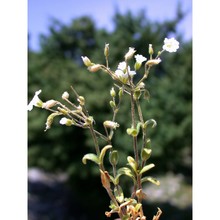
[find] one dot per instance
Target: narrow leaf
(119, 194)
(92, 157)
(132, 163)
(150, 179)
(103, 152)
(146, 168)
(124, 171)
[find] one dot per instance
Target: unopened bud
(50, 120)
(137, 94)
(112, 92)
(130, 53)
(112, 104)
(49, 104)
(150, 50)
(111, 124)
(113, 157)
(94, 68)
(145, 154)
(63, 111)
(86, 61)
(89, 121)
(66, 121)
(65, 95)
(120, 93)
(81, 100)
(106, 50)
(153, 62)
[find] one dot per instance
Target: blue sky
(102, 11)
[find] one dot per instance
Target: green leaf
(132, 163)
(103, 152)
(124, 171)
(145, 154)
(150, 179)
(146, 168)
(92, 157)
(119, 194)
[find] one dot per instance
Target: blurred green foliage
(58, 65)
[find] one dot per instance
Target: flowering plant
(76, 114)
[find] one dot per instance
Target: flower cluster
(73, 114)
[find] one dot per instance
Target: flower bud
(94, 68)
(112, 104)
(50, 120)
(81, 100)
(49, 104)
(113, 157)
(106, 50)
(150, 50)
(62, 110)
(66, 121)
(137, 94)
(86, 61)
(153, 62)
(120, 93)
(112, 92)
(89, 121)
(111, 124)
(65, 95)
(145, 154)
(130, 53)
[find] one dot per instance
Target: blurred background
(60, 187)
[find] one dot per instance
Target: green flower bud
(50, 120)
(145, 154)
(86, 61)
(137, 94)
(106, 50)
(112, 92)
(81, 100)
(150, 50)
(113, 157)
(120, 93)
(66, 121)
(112, 104)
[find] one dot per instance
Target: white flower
(170, 45)
(130, 53)
(140, 59)
(35, 101)
(122, 74)
(122, 66)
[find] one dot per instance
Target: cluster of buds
(74, 115)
